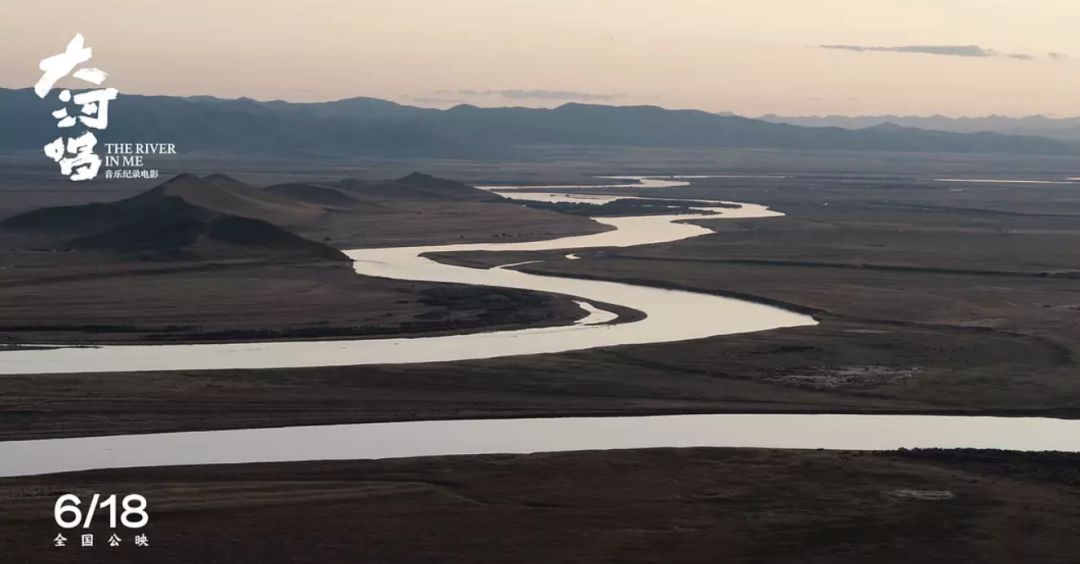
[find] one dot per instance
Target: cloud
(941, 50)
(1058, 56)
(554, 95)
(436, 101)
(535, 94)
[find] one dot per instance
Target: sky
(750, 57)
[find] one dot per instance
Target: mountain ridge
(379, 128)
(1067, 129)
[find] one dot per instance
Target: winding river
(669, 316)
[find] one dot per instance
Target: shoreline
(1060, 414)
(729, 316)
(648, 505)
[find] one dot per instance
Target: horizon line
(761, 116)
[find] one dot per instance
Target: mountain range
(378, 128)
(1067, 129)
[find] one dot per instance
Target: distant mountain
(1057, 128)
(369, 127)
(185, 218)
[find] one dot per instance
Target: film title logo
(82, 114)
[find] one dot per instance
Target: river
(435, 438)
(670, 316)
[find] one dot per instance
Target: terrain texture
(202, 259)
(647, 506)
(933, 298)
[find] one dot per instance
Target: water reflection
(670, 315)
(431, 438)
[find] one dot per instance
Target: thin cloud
(435, 101)
(514, 94)
(940, 50)
(555, 95)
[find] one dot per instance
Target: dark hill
(357, 195)
(417, 187)
(185, 218)
(228, 196)
(448, 188)
(317, 195)
(215, 237)
(64, 219)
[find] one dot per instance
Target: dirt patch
(847, 376)
(922, 495)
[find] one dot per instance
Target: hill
(377, 128)
(185, 218)
(177, 218)
(213, 259)
(417, 187)
(316, 194)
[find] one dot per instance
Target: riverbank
(212, 260)
(662, 505)
(129, 302)
(667, 316)
(952, 311)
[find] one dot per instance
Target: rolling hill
(216, 216)
(417, 187)
(185, 218)
(316, 194)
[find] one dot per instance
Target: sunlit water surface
(670, 315)
(433, 438)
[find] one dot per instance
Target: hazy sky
(953, 57)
